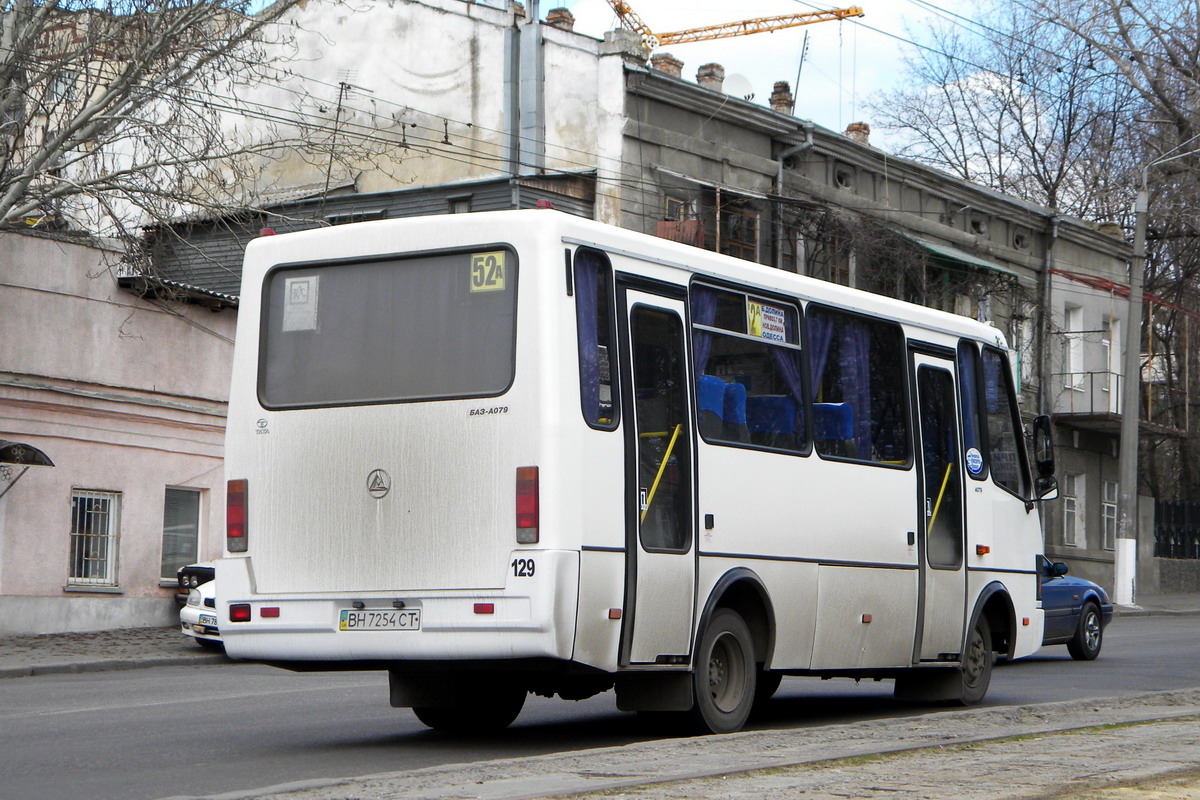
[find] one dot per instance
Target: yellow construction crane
(633, 22)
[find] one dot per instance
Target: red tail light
(235, 516)
(527, 505)
(239, 612)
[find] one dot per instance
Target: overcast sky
(846, 62)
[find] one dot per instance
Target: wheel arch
(742, 590)
(995, 604)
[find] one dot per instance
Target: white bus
(514, 452)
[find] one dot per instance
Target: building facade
(126, 396)
(604, 133)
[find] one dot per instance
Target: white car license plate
(383, 619)
(208, 619)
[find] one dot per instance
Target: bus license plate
(384, 619)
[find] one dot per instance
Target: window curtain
(704, 312)
(856, 381)
(788, 362)
(587, 316)
(853, 380)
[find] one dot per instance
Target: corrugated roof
(162, 288)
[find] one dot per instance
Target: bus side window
(594, 319)
(750, 382)
(1003, 424)
(858, 379)
(969, 388)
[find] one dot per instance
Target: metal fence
(1176, 529)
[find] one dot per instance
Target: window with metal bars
(95, 524)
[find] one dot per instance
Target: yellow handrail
(941, 493)
(661, 468)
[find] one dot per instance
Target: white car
(198, 617)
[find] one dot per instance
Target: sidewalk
(1181, 603)
(128, 648)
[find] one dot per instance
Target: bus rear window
(400, 329)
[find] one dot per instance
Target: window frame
(607, 278)
(1014, 414)
(1108, 514)
(199, 496)
(903, 392)
(111, 538)
(972, 409)
(512, 276)
(1071, 510)
(748, 295)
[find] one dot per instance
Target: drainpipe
(533, 94)
(784, 156)
(512, 99)
(1045, 400)
(524, 95)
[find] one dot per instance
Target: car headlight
(194, 598)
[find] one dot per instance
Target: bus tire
(491, 712)
(965, 685)
(725, 674)
(977, 663)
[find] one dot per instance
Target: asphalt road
(185, 731)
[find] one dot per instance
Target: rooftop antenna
(344, 88)
(800, 66)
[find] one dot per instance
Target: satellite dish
(738, 85)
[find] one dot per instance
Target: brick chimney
(668, 64)
(517, 7)
(781, 98)
(561, 18)
(859, 132)
(711, 76)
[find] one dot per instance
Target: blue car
(1077, 611)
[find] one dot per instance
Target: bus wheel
(964, 685)
(724, 677)
(977, 663)
(491, 712)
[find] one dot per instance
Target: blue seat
(771, 420)
(833, 422)
(735, 413)
(710, 398)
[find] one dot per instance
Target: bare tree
(1021, 106)
(1155, 47)
(116, 114)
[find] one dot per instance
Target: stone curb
(74, 667)
(1138, 611)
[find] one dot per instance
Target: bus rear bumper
(531, 618)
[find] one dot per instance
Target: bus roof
(372, 239)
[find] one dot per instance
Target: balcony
(1092, 401)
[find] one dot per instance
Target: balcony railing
(1097, 395)
(1093, 393)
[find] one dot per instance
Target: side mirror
(1043, 447)
(1058, 569)
(1045, 487)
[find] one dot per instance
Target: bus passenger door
(659, 541)
(943, 588)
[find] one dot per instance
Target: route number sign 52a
(488, 271)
